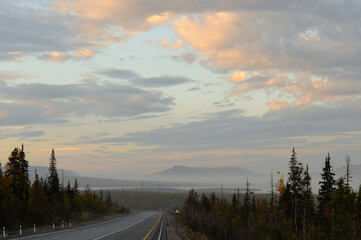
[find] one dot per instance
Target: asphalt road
(139, 226)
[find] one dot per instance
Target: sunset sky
(122, 88)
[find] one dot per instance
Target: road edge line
(146, 236)
(122, 229)
(161, 228)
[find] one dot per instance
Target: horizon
(125, 88)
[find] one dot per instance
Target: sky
(124, 88)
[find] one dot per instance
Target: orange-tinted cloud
(55, 149)
(54, 57)
(278, 105)
(174, 45)
(238, 76)
(85, 53)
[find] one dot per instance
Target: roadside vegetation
(291, 213)
(45, 201)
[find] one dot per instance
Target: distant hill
(42, 171)
(179, 170)
(355, 171)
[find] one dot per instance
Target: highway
(139, 226)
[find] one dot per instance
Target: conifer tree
(23, 178)
(327, 187)
(308, 201)
(295, 183)
(75, 188)
(1, 170)
(343, 204)
(69, 192)
(348, 170)
(36, 181)
(54, 188)
(12, 170)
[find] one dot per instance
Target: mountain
(43, 171)
(355, 171)
(179, 170)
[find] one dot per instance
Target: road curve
(137, 226)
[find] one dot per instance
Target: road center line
(153, 227)
(122, 229)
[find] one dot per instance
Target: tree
(327, 187)
(348, 170)
(69, 192)
(1, 171)
(17, 173)
(308, 202)
(343, 204)
(295, 181)
(53, 180)
(75, 187)
(24, 178)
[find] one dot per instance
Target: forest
(143, 200)
(45, 201)
(292, 211)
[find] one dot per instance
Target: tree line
(335, 213)
(45, 200)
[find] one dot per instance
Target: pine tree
(54, 188)
(327, 187)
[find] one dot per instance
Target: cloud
(45, 103)
(22, 134)
(174, 45)
(230, 137)
(55, 149)
(33, 30)
(119, 73)
(278, 105)
(188, 57)
(10, 75)
(254, 37)
(53, 57)
(238, 76)
(161, 81)
(194, 89)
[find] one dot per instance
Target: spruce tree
(343, 204)
(348, 170)
(23, 178)
(54, 188)
(12, 170)
(36, 181)
(308, 201)
(75, 188)
(327, 187)
(1, 170)
(295, 183)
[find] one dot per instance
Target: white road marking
(161, 228)
(73, 229)
(122, 228)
